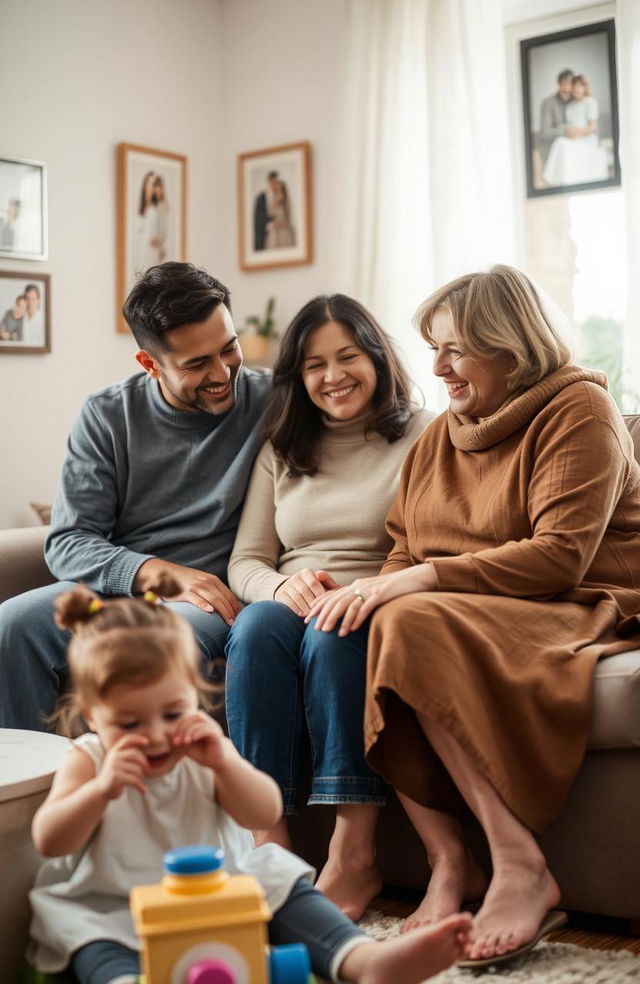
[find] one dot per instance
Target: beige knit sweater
(333, 520)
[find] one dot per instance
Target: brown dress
(531, 519)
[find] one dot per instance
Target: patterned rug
(549, 963)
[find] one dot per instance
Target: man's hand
(125, 765)
(572, 132)
(203, 740)
(300, 591)
(205, 591)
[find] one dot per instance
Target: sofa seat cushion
(616, 711)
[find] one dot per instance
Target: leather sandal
(554, 919)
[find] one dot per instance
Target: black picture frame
(570, 166)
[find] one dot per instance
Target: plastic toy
(201, 925)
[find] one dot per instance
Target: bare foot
(521, 893)
(350, 884)
(410, 958)
(274, 835)
(453, 880)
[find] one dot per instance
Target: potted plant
(257, 333)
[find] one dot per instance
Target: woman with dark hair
(338, 423)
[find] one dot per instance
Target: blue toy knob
(289, 964)
(195, 859)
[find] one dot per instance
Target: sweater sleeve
(253, 567)
(85, 510)
(579, 471)
(399, 557)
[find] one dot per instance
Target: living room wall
(77, 78)
(207, 78)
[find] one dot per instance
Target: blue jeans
(306, 917)
(283, 674)
(33, 653)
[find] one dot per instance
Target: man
(553, 120)
(154, 479)
(33, 322)
(262, 211)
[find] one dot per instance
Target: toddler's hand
(125, 765)
(202, 739)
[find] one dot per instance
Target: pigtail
(73, 608)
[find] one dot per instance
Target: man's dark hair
(292, 422)
(566, 73)
(272, 174)
(168, 296)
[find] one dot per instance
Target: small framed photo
(570, 98)
(152, 214)
(23, 209)
(25, 303)
(274, 207)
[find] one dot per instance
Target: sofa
(592, 847)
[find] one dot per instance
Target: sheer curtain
(628, 43)
(424, 181)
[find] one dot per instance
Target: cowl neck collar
(470, 435)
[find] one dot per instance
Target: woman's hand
(356, 602)
(301, 591)
(125, 764)
(203, 740)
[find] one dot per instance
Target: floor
(595, 932)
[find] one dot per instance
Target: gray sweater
(143, 480)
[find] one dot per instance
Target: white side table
(28, 761)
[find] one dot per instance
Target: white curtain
(628, 43)
(424, 184)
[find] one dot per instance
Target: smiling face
(198, 372)
(578, 90)
(476, 387)
(338, 375)
(152, 710)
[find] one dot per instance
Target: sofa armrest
(22, 565)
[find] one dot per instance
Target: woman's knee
(328, 650)
(266, 628)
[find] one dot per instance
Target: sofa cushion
(616, 712)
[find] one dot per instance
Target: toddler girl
(155, 772)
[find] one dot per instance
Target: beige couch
(593, 847)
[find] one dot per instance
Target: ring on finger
(359, 594)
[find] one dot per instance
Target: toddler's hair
(123, 641)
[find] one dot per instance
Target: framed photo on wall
(152, 214)
(570, 95)
(25, 304)
(23, 209)
(274, 207)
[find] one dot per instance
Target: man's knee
(209, 628)
(29, 616)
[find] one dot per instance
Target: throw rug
(548, 963)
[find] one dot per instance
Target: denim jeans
(33, 653)
(283, 675)
(306, 917)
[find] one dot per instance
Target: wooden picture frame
(275, 220)
(557, 106)
(151, 214)
(23, 209)
(25, 313)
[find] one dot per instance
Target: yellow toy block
(197, 915)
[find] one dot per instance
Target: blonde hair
(496, 312)
(122, 641)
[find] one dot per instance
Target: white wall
(282, 75)
(76, 78)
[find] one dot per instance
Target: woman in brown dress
(516, 566)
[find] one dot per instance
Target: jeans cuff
(347, 789)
